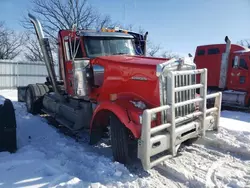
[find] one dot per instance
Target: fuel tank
(74, 114)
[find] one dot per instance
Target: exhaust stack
(145, 43)
(224, 64)
(45, 47)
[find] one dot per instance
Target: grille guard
(167, 136)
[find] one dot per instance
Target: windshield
(104, 46)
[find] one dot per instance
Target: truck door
(238, 76)
(69, 74)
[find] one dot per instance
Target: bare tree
(63, 14)
(10, 43)
(169, 54)
(155, 49)
(33, 52)
(102, 22)
(245, 42)
(58, 15)
(152, 49)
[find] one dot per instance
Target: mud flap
(7, 127)
(21, 92)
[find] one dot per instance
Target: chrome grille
(184, 80)
(165, 94)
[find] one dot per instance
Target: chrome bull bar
(166, 137)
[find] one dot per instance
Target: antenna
(124, 11)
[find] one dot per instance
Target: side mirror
(236, 61)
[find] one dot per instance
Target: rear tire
(34, 97)
(119, 140)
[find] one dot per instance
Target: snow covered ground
(48, 158)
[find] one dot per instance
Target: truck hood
(134, 59)
(133, 76)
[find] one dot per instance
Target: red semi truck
(103, 83)
(228, 68)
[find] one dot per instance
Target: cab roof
(105, 34)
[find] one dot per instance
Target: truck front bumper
(161, 142)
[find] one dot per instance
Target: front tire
(119, 140)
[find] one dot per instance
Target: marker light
(113, 96)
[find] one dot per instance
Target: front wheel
(119, 140)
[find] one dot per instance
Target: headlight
(139, 104)
(153, 118)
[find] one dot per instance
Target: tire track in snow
(210, 177)
(229, 142)
(207, 164)
(177, 172)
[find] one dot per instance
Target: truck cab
(239, 72)
(83, 47)
(228, 71)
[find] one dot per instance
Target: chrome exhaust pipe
(37, 25)
(45, 47)
(224, 64)
(145, 43)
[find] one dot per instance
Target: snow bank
(236, 121)
(48, 158)
(10, 94)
